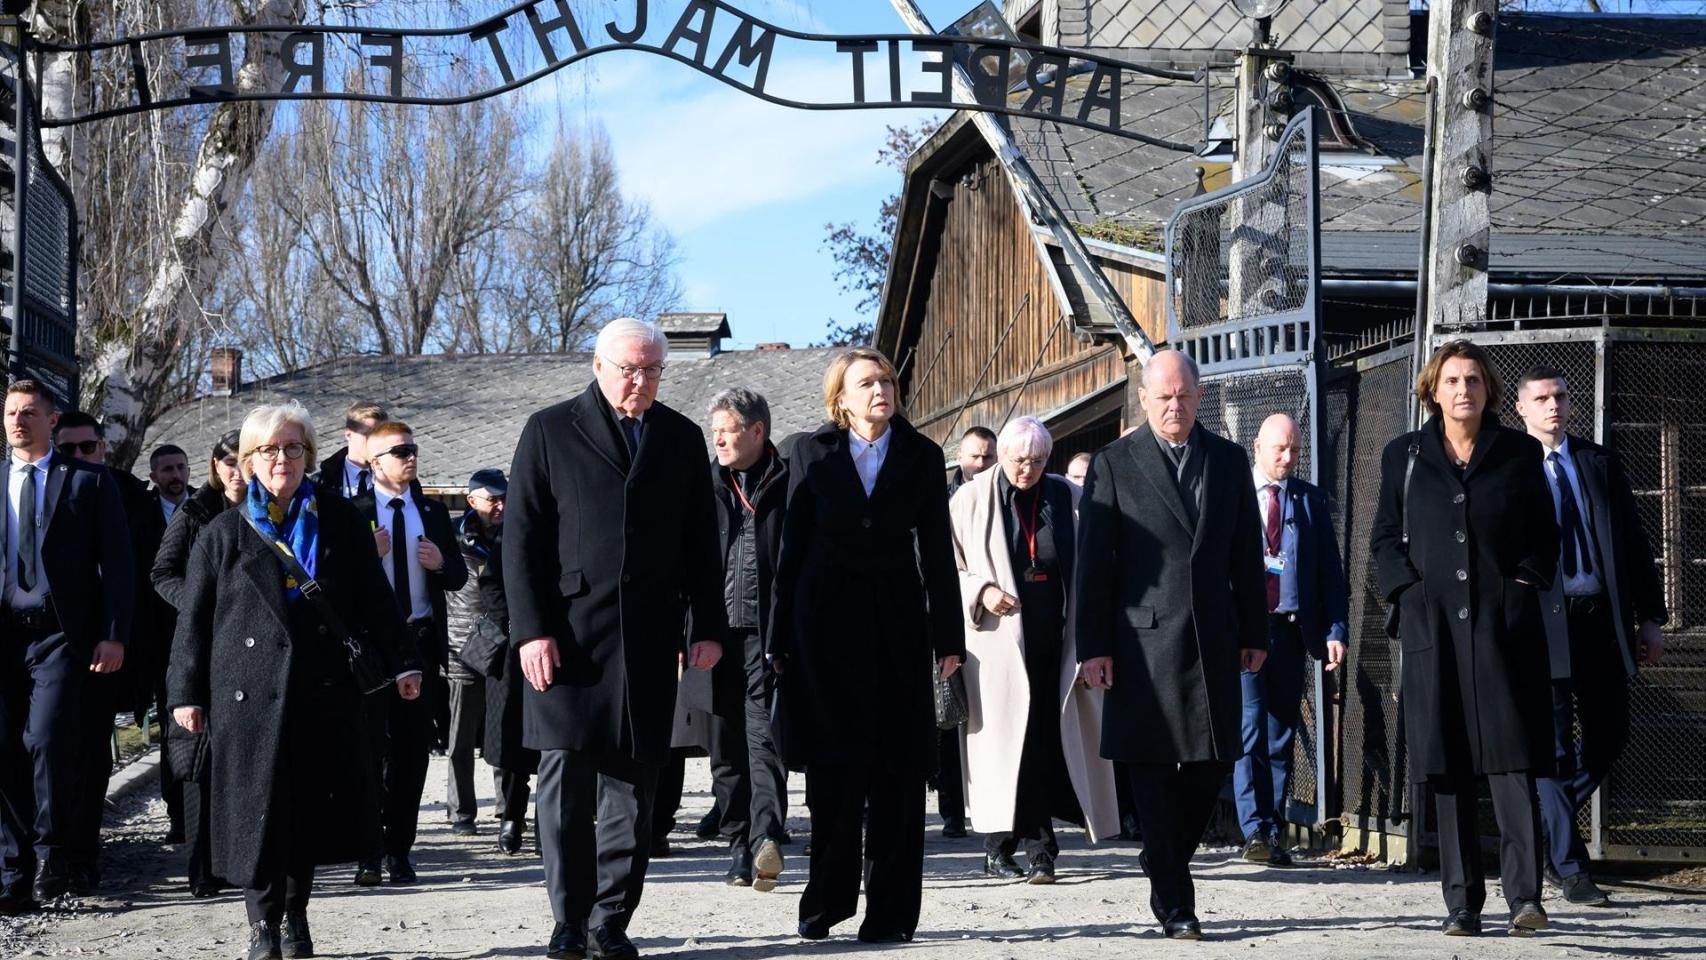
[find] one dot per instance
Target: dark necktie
(364, 483)
(1576, 554)
(1276, 523)
(631, 433)
(27, 531)
(400, 559)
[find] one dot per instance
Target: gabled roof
(1600, 132)
(468, 409)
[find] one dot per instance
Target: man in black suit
(64, 614)
(169, 471)
(417, 548)
(79, 436)
(1602, 618)
(1171, 606)
(348, 473)
(1307, 612)
(610, 541)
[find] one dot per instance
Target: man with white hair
(1308, 610)
(1170, 606)
(610, 540)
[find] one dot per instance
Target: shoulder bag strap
(309, 586)
(1403, 505)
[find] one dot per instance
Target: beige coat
(997, 690)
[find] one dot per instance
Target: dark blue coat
(1322, 600)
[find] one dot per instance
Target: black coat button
(238, 696)
(626, 578)
(865, 522)
(1462, 613)
(1462, 574)
(1459, 498)
(1461, 536)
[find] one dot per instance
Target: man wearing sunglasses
(65, 604)
(417, 547)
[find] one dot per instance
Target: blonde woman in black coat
(1464, 542)
(866, 598)
(256, 665)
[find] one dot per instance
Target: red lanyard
(734, 484)
(1030, 532)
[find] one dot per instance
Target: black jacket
(1175, 603)
(464, 607)
(1475, 689)
(866, 598)
(172, 559)
(86, 553)
(435, 519)
(1624, 559)
(273, 680)
(330, 480)
(504, 704)
(607, 558)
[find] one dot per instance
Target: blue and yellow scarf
(296, 526)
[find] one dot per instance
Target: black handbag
(368, 669)
(483, 651)
(1392, 609)
(952, 708)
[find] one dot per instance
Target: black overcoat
(1475, 684)
(607, 557)
(1175, 604)
(263, 669)
(1625, 558)
(866, 595)
(503, 746)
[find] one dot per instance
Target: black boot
(263, 941)
(509, 838)
(296, 941)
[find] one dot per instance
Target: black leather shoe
(509, 837)
(1462, 923)
(1527, 918)
(295, 941)
(954, 828)
(1583, 892)
(367, 875)
(740, 865)
(1187, 929)
(1279, 856)
(17, 900)
(813, 931)
(84, 879)
(884, 936)
(1129, 829)
(608, 943)
(400, 869)
(1041, 872)
(568, 942)
(463, 828)
(661, 848)
(767, 866)
(1001, 866)
(52, 884)
(263, 941)
(708, 825)
(1256, 850)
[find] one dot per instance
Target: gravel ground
(473, 902)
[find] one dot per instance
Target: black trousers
(172, 785)
(101, 698)
(950, 789)
(198, 814)
(1461, 874)
(731, 778)
(666, 799)
(467, 715)
(1597, 694)
(284, 872)
(1174, 803)
(767, 777)
(41, 682)
(891, 856)
(593, 817)
(400, 732)
(513, 792)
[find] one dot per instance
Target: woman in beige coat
(1032, 740)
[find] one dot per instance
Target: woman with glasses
(261, 662)
(864, 606)
(224, 488)
(1032, 740)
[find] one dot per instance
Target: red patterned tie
(1275, 523)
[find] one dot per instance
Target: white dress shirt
(1288, 537)
(17, 598)
(1584, 583)
(413, 530)
(352, 477)
(868, 457)
(168, 508)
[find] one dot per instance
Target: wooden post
(1460, 66)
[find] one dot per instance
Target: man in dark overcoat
(611, 538)
(1171, 608)
(1602, 618)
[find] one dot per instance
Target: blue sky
(746, 186)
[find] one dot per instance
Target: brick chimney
(227, 370)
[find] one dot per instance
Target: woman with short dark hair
(1464, 542)
(264, 666)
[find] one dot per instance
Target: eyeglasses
(85, 447)
(631, 372)
(1028, 462)
(403, 451)
(291, 451)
